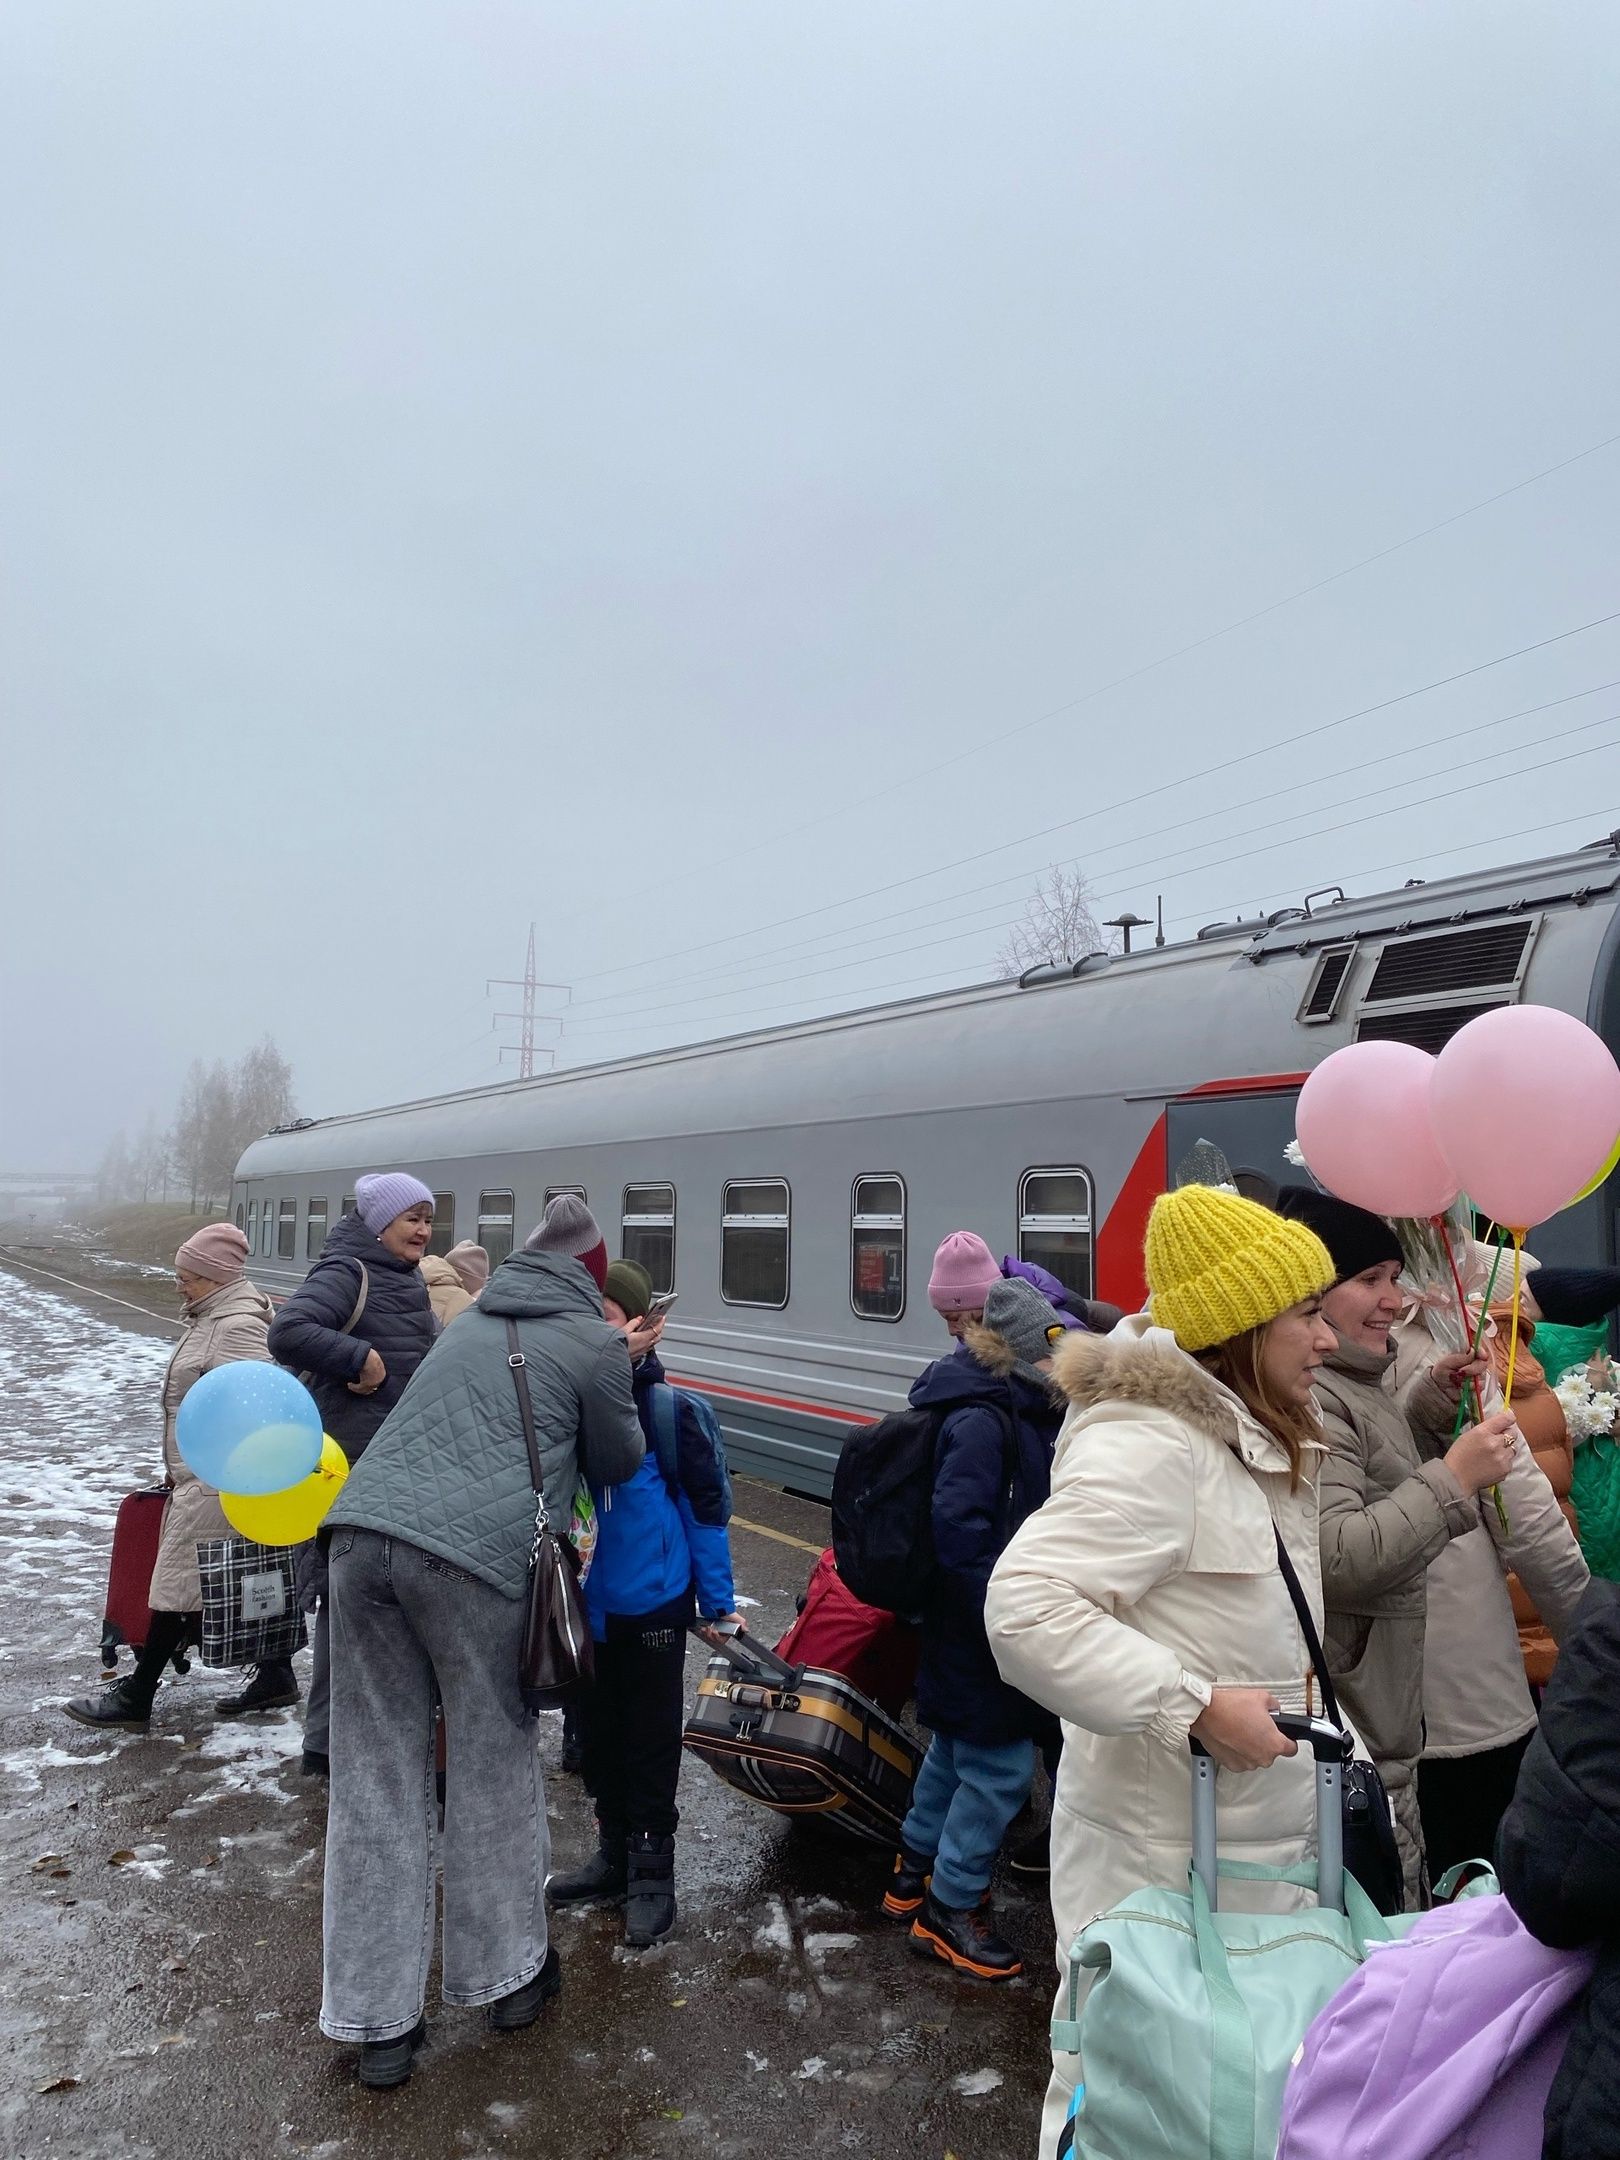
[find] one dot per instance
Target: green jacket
(448, 1470)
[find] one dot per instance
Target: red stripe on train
(1121, 1277)
(774, 1402)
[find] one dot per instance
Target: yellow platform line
(739, 1522)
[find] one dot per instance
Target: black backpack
(883, 1511)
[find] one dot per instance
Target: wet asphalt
(162, 1893)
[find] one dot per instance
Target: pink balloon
(1364, 1128)
(1526, 1100)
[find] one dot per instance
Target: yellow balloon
(287, 1518)
(1607, 1171)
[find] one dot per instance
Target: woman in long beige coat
(225, 1319)
(1144, 1603)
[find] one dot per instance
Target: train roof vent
(1485, 958)
(1430, 1027)
(1322, 998)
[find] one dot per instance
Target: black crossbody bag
(1370, 1851)
(557, 1658)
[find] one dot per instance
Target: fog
(660, 471)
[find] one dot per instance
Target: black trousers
(632, 1719)
(1462, 1799)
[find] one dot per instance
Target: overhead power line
(1124, 802)
(813, 947)
(1167, 878)
(1180, 652)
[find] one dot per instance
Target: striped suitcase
(803, 1742)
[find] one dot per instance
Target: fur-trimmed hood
(1142, 1366)
(997, 1355)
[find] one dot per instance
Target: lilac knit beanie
(385, 1195)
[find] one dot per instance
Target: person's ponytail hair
(1237, 1365)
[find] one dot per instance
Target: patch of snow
(817, 1946)
(974, 2084)
(812, 2067)
(757, 2062)
(776, 1933)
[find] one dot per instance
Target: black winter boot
(913, 1872)
(603, 1877)
(964, 1939)
(384, 2063)
(512, 2012)
(272, 1687)
(649, 1906)
(123, 1705)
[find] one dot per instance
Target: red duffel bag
(874, 1650)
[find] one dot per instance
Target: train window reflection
(287, 1230)
(266, 1230)
(315, 1229)
(1054, 1225)
(495, 1215)
(754, 1243)
(877, 1248)
(253, 1226)
(348, 1203)
(444, 1222)
(647, 1231)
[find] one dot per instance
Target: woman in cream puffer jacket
(1148, 1585)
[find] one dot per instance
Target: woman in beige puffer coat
(1397, 1486)
(1144, 1603)
(225, 1318)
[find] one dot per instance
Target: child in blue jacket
(661, 1545)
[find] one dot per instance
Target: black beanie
(1355, 1240)
(1575, 1296)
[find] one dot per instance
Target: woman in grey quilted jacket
(429, 1546)
(1396, 1488)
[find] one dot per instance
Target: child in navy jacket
(661, 1547)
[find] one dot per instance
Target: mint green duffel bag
(1194, 2016)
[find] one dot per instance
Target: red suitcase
(129, 1576)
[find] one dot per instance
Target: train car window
(444, 1222)
(1054, 1225)
(238, 1214)
(647, 1231)
(348, 1203)
(287, 1230)
(552, 1191)
(315, 1229)
(495, 1217)
(877, 1248)
(266, 1230)
(253, 1226)
(754, 1243)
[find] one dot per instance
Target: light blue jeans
(401, 1621)
(965, 1797)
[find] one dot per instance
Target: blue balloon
(248, 1427)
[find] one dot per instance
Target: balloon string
(1513, 1328)
(1470, 1404)
(1456, 1278)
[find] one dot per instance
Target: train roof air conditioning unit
(1425, 988)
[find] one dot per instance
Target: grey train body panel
(979, 1109)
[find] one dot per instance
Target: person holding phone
(662, 1549)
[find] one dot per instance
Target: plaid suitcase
(127, 1616)
(803, 1742)
(250, 1609)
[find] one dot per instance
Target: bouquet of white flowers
(1589, 1412)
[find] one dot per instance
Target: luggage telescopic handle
(1332, 1749)
(748, 1655)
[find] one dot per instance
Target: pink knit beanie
(965, 1271)
(471, 1264)
(218, 1251)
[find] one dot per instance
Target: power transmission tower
(524, 1048)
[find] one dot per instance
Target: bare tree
(1058, 926)
(263, 1085)
(113, 1178)
(188, 1136)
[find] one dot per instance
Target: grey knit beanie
(1016, 1311)
(569, 1229)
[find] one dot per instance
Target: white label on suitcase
(264, 1597)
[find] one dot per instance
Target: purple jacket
(1441, 2047)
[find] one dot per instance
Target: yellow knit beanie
(1218, 1265)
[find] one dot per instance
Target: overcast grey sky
(646, 467)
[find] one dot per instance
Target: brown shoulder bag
(556, 1659)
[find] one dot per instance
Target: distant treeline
(221, 1108)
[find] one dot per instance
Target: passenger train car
(792, 1183)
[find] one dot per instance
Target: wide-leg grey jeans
(402, 1620)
